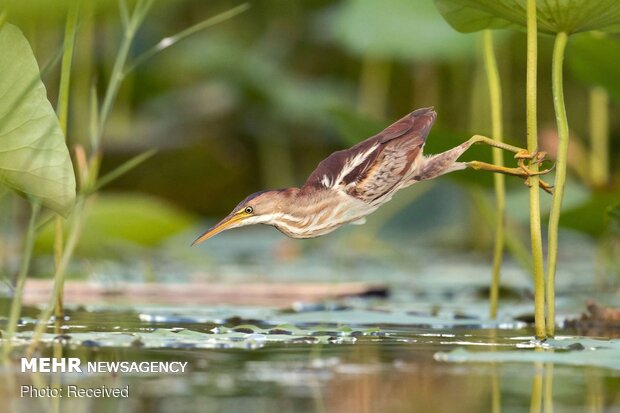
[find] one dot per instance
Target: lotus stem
(599, 136)
(118, 69)
(62, 111)
(495, 97)
(532, 146)
(560, 174)
(16, 304)
(75, 229)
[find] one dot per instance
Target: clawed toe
(545, 186)
(541, 184)
(536, 157)
(524, 154)
(533, 158)
(526, 172)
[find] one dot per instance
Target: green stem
(75, 228)
(16, 304)
(599, 136)
(495, 97)
(172, 40)
(532, 146)
(514, 245)
(62, 111)
(118, 69)
(560, 174)
(58, 248)
(79, 214)
(119, 171)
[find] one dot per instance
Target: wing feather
(378, 164)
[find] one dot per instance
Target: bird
(353, 183)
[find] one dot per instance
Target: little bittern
(350, 184)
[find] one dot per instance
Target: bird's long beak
(219, 227)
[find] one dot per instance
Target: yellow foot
(541, 184)
(536, 157)
(522, 171)
(533, 158)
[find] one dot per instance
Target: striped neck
(309, 214)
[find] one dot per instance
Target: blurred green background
(258, 100)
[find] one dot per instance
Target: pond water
(373, 366)
(428, 346)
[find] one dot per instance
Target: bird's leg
(522, 155)
(446, 162)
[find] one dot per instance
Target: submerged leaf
(570, 16)
(34, 159)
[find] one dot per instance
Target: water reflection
(373, 375)
(392, 368)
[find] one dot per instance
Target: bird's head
(258, 208)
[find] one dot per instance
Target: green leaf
(595, 60)
(570, 16)
(405, 29)
(34, 159)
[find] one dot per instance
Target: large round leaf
(34, 159)
(570, 16)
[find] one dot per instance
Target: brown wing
(373, 167)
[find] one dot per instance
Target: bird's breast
(321, 215)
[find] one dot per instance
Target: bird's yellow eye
(249, 210)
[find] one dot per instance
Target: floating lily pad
(346, 317)
(575, 351)
(249, 337)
